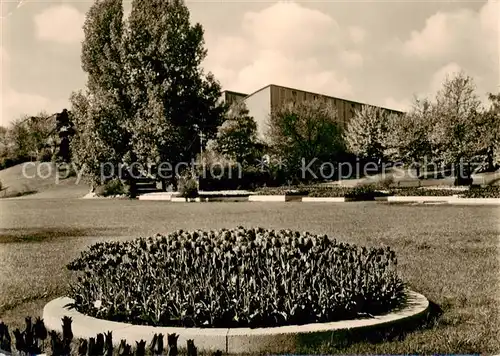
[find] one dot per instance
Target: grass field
(448, 253)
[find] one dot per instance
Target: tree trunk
(133, 187)
(489, 159)
(462, 176)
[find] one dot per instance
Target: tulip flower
(82, 347)
(140, 349)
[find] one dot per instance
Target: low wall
(284, 339)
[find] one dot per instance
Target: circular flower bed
(234, 278)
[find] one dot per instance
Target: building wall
(345, 108)
(259, 107)
(230, 97)
(261, 103)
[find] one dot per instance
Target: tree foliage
(305, 131)
(237, 137)
(407, 136)
(366, 132)
(171, 95)
(89, 148)
(488, 132)
(28, 137)
(456, 111)
(146, 91)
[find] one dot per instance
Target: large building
(263, 101)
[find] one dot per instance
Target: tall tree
(307, 132)
(103, 118)
(454, 133)
(237, 137)
(102, 47)
(170, 94)
(366, 132)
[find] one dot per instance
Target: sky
(378, 52)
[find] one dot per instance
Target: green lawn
(448, 253)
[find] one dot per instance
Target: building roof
(328, 96)
(234, 92)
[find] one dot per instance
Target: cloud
(462, 33)
(15, 103)
(357, 34)
(284, 44)
(440, 76)
(351, 59)
(401, 105)
(292, 28)
(60, 24)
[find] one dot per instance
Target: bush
(366, 192)
(45, 155)
(234, 178)
(421, 192)
(385, 183)
(112, 187)
(12, 161)
(292, 190)
(234, 278)
(483, 192)
(188, 187)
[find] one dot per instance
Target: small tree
(66, 130)
(407, 136)
(307, 132)
(488, 130)
(237, 137)
(89, 150)
(366, 133)
(20, 139)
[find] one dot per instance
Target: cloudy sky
(378, 52)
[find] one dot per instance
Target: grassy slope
(448, 253)
(39, 180)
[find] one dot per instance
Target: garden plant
(234, 278)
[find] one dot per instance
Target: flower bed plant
(234, 278)
(421, 192)
(282, 191)
(484, 192)
(356, 193)
(35, 337)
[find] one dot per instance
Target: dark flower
(82, 348)
(66, 326)
(39, 329)
(140, 349)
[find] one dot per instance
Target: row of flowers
(35, 339)
(369, 192)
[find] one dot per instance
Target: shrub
(188, 187)
(112, 187)
(366, 192)
(234, 278)
(483, 192)
(421, 192)
(292, 190)
(45, 155)
(385, 183)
